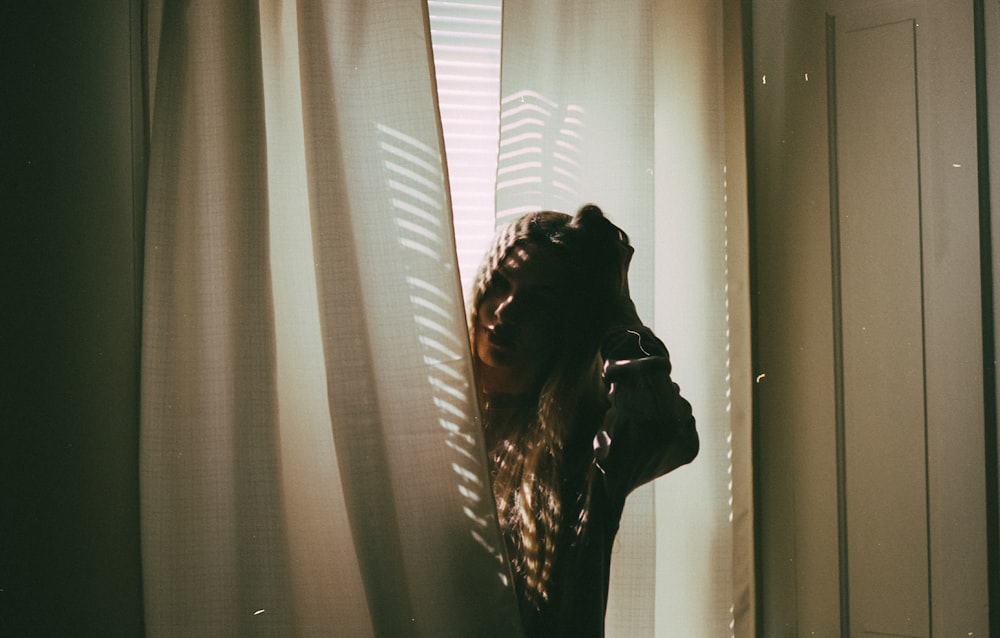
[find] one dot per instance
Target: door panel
(878, 182)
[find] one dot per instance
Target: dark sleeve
(648, 429)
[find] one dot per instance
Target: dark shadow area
(70, 244)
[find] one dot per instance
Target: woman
(578, 408)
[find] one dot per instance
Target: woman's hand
(619, 257)
(609, 253)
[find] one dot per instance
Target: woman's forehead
(531, 263)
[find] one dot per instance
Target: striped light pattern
(466, 42)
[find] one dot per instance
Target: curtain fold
(208, 379)
(311, 462)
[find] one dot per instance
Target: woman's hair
(529, 444)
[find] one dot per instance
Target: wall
(70, 232)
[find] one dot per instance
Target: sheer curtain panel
(310, 461)
(637, 107)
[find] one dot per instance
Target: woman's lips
(501, 337)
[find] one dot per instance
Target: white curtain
(310, 459)
(311, 463)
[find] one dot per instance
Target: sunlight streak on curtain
(311, 463)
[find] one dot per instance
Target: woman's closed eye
(499, 284)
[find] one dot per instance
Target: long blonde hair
(528, 440)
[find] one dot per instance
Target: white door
(868, 329)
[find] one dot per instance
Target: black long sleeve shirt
(647, 430)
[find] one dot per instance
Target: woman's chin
(499, 356)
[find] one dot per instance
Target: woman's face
(517, 331)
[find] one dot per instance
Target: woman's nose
(507, 309)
